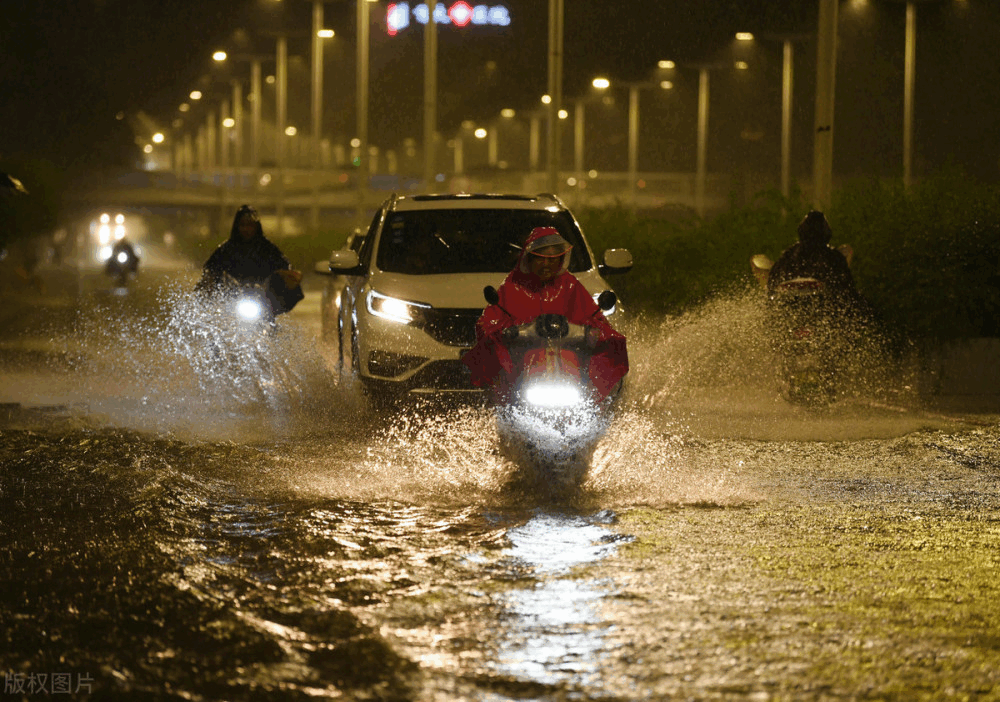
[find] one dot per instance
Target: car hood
(457, 290)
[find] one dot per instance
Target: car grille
(453, 327)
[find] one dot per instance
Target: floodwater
(174, 532)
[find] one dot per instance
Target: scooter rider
(124, 261)
(542, 284)
(813, 257)
(251, 259)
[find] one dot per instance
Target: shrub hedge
(926, 259)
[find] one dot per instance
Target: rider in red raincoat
(542, 284)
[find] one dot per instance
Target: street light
(319, 33)
(633, 130)
(787, 82)
(600, 84)
(702, 149)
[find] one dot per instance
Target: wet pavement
(176, 533)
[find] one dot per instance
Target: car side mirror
(617, 261)
(344, 262)
(323, 268)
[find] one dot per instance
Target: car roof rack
(469, 196)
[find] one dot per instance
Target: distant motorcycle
(123, 264)
(810, 333)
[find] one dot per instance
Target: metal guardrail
(303, 189)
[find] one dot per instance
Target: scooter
(236, 324)
(122, 265)
(809, 334)
(551, 416)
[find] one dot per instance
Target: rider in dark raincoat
(250, 258)
(813, 257)
(542, 284)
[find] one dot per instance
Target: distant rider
(813, 257)
(123, 262)
(542, 284)
(250, 258)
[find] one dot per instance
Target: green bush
(926, 259)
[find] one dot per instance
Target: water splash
(187, 369)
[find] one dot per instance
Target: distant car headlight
(393, 309)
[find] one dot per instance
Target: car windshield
(426, 242)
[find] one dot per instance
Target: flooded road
(175, 532)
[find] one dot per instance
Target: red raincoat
(524, 296)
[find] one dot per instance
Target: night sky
(69, 68)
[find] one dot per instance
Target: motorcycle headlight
(394, 309)
(249, 309)
(122, 257)
(553, 395)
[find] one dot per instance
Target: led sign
(460, 14)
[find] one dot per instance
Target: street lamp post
(430, 99)
(600, 84)
(237, 125)
(787, 81)
(362, 104)
(555, 91)
(633, 133)
(534, 141)
(317, 108)
(281, 87)
(826, 68)
(702, 148)
(909, 75)
(700, 171)
(787, 85)
(909, 78)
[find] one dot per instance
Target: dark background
(75, 76)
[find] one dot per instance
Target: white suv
(414, 289)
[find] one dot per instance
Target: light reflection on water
(552, 631)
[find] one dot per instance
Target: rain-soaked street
(173, 531)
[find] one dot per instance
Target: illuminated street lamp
(787, 79)
(702, 148)
(599, 84)
(633, 131)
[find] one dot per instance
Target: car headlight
(394, 309)
(553, 395)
